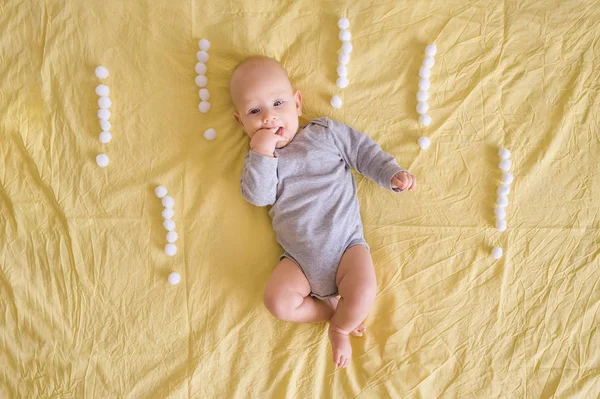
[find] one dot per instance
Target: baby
(304, 174)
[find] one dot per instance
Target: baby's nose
(269, 117)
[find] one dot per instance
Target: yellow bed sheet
(85, 309)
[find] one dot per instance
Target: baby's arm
(259, 179)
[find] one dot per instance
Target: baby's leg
(357, 287)
(287, 296)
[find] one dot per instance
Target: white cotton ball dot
(170, 250)
(497, 253)
(428, 62)
(102, 90)
(344, 23)
(204, 106)
(344, 58)
(501, 225)
(201, 80)
(505, 165)
(202, 56)
(204, 94)
(342, 70)
(502, 201)
(210, 134)
(423, 95)
(105, 137)
(200, 68)
(169, 224)
(345, 35)
(503, 189)
(168, 201)
(172, 236)
(103, 114)
(336, 102)
(105, 125)
(424, 142)
(425, 120)
(504, 153)
(500, 212)
(102, 160)
(422, 107)
(507, 178)
(160, 191)
(174, 278)
(342, 82)
(168, 213)
(431, 50)
(424, 73)
(204, 44)
(424, 84)
(346, 47)
(104, 102)
(101, 72)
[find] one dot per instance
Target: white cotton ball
(210, 134)
(342, 82)
(170, 250)
(422, 107)
(424, 143)
(428, 62)
(105, 125)
(344, 58)
(500, 212)
(423, 95)
(200, 68)
(497, 253)
(345, 35)
(502, 201)
(431, 50)
(105, 137)
(204, 106)
(204, 94)
(425, 120)
(168, 213)
(168, 201)
(344, 23)
(424, 73)
(201, 80)
(346, 47)
(104, 102)
(172, 236)
(102, 90)
(342, 70)
(503, 189)
(174, 278)
(169, 224)
(202, 56)
(505, 165)
(102, 160)
(424, 84)
(101, 72)
(504, 153)
(501, 224)
(160, 191)
(507, 178)
(336, 102)
(204, 44)
(103, 114)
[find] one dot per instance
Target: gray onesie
(309, 184)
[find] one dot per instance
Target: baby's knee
(364, 294)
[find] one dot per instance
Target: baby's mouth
(279, 131)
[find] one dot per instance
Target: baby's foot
(340, 346)
(358, 331)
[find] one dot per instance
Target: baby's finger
(397, 183)
(413, 184)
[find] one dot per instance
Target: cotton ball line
(168, 223)
(343, 58)
(425, 84)
(502, 199)
(201, 79)
(104, 103)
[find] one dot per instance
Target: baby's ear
(298, 99)
(237, 118)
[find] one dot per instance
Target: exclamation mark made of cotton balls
(502, 199)
(168, 202)
(343, 59)
(104, 103)
(423, 93)
(201, 80)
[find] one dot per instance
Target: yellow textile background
(85, 309)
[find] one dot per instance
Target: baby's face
(264, 100)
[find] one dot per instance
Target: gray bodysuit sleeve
(259, 179)
(364, 155)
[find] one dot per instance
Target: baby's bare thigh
(287, 276)
(356, 267)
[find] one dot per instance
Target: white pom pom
(423, 95)
(105, 137)
(500, 212)
(342, 82)
(169, 224)
(170, 250)
(210, 134)
(497, 253)
(101, 72)
(422, 107)
(424, 73)
(104, 102)
(202, 56)
(200, 68)
(428, 62)
(172, 236)
(102, 160)
(431, 50)
(201, 80)
(424, 84)
(344, 58)
(502, 201)
(160, 191)
(503, 189)
(344, 23)
(167, 213)
(336, 102)
(505, 165)
(103, 114)
(342, 70)
(174, 278)
(425, 120)
(204, 45)
(204, 94)
(204, 106)
(501, 224)
(102, 90)
(424, 143)
(345, 35)
(346, 47)
(168, 201)
(504, 153)
(507, 178)
(105, 125)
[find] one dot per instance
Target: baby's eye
(254, 111)
(278, 103)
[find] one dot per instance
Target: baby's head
(264, 98)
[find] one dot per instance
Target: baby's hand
(264, 141)
(404, 181)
